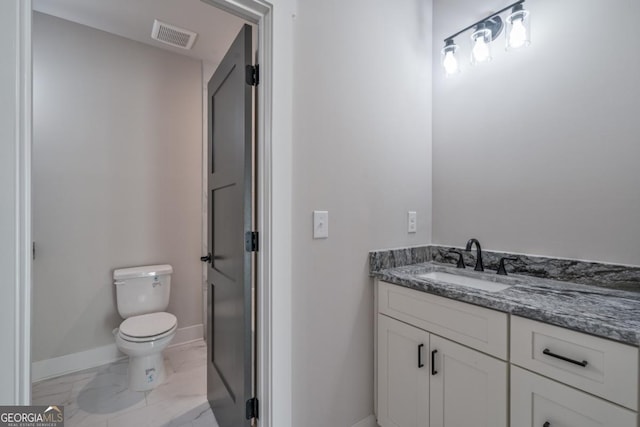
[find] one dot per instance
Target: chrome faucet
(479, 265)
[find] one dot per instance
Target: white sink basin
(469, 282)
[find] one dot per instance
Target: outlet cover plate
(412, 222)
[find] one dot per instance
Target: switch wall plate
(412, 222)
(320, 224)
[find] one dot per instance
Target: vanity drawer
(480, 328)
(596, 365)
(537, 401)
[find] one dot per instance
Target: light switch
(320, 224)
(412, 222)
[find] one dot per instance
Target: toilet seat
(148, 327)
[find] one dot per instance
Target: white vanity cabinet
(427, 380)
(444, 363)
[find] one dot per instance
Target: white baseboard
(188, 334)
(370, 421)
(74, 362)
(95, 357)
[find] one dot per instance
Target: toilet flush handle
(118, 282)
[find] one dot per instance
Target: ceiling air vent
(172, 35)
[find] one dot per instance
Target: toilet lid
(148, 325)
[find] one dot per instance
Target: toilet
(142, 295)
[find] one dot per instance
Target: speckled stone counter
(615, 276)
(601, 311)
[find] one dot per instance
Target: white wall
(117, 179)
(8, 48)
(362, 151)
(537, 152)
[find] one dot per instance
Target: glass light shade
(481, 45)
(518, 28)
(449, 60)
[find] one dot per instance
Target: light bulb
(518, 30)
(449, 60)
(450, 63)
(480, 50)
(518, 34)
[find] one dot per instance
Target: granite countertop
(604, 312)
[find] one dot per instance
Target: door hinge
(252, 408)
(253, 75)
(251, 241)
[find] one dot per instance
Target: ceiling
(133, 19)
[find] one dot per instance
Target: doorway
(263, 213)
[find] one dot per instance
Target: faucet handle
(460, 263)
(501, 269)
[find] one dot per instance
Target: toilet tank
(142, 290)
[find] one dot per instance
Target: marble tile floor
(99, 397)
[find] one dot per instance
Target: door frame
(23, 245)
(270, 358)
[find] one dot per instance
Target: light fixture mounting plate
(495, 24)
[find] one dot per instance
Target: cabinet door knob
(433, 362)
(206, 258)
(547, 424)
(420, 364)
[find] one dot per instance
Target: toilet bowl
(142, 295)
(143, 338)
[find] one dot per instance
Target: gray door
(229, 312)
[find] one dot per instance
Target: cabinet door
(540, 402)
(403, 374)
(467, 388)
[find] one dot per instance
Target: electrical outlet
(320, 224)
(412, 222)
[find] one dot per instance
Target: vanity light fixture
(487, 30)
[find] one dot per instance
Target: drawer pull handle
(548, 352)
(547, 424)
(433, 362)
(420, 364)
